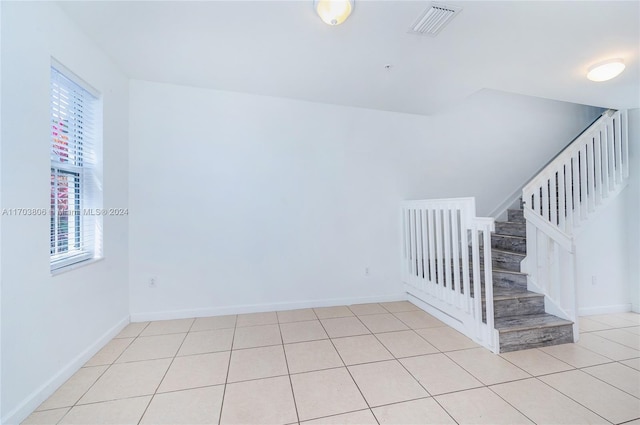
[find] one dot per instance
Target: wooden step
(512, 228)
(505, 260)
(511, 302)
(509, 243)
(515, 216)
(531, 331)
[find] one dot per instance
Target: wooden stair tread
(533, 321)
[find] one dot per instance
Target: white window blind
(76, 194)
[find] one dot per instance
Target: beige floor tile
(424, 412)
(636, 422)
(361, 349)
(75, 387)
(256, 363)
(47, 417)
(399, 306)
(118, 412)
(332, 312)
(630, 316)
(264, 401)
(301, 315)
(361, 417)
(589, 325)
(257, 336)
(634, 363)
(302, 331)
(446, 339)
(486, 366)
(201, 370)
(152, 347)
(207, 342)
(165, 327)
(633, 329)
(378, 323)
(325, 393)
(213, 323)
(575, 355)
(386, 382)
(629, 339)
(132, 330)
(419, 319)
(406, 344)
(607, 348)
(618, 375)
(614, 320)
(603, 399)
(127, 380)
(110, 352)
(536, 362)
(256, 319)
(198, 406)
(544, 405)
(344, 326)
(364, 309)
(313, 355)
(480, 406)
(439, 374)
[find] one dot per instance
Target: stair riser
(507, 280)
(513, 229)
(538, 337)
(518, 306)
(516, 215)
(505, 260)
(509, 244)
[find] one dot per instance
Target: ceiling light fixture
(606, 70)
(333, 12)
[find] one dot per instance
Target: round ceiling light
(606, 70)
(333, 12)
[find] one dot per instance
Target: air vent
(432, 21)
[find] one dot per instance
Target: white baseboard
(259, 308)
(607, 309)
(29, 404)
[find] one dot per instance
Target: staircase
(527, 280)
(520, 318)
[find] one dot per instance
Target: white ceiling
(282, 48)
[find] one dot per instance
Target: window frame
(84, 232)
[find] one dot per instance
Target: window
(76, 195)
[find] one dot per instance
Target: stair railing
(588, 173)
(443, 267)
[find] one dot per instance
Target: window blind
(76, 195)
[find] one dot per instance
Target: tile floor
(387, 363)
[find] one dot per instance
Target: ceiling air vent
(432, 21)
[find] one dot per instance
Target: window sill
(74, 266)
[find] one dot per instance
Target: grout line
(165, 372)
(286, 361)
(226, 378)
(347, 368)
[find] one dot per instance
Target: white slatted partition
(593, 169)
(442, 265)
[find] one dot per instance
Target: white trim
(259, 308)
(31, 402)
(510, 202)
(76, 265)
(607, 309)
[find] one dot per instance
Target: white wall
(608, 248)
(247, 203)
(633, 210)
(51, 325)
(602, 260)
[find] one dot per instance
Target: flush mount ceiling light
(333, 12)
(606, 70)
